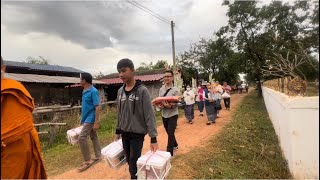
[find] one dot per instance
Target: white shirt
(189, 97)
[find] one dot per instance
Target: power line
(147, 10)
(152, 11)
(155, 15)
(142, 7)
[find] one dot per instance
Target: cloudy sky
(94, 35)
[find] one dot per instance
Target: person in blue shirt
(89, 120)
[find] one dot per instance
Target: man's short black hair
(87, 77)
(124, 63)
(169, 71)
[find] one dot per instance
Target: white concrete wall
(296, 123)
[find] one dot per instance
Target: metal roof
(42, 67)
(143, 78)
(34, 78)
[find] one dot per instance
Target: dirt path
(188, 136)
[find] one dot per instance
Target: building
(50, 84)
(151, 78)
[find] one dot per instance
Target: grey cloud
(92, 23)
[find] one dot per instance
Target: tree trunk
(259, 88)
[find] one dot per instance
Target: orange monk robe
(21, 156)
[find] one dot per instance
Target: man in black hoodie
(135, 116)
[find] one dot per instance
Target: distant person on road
(238, 84)
(243, 85)
(247, 87)
(226, 95)
(200, 99)
(21, 156)
(169, 110)
(189, 98)
(90, 121)
(210, 104)
(217, 91)
(135, 116)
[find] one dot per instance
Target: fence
(296, 123)
(48, 120)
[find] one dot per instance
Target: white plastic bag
(225, 95)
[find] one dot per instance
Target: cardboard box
(114, 154)
(154, 165)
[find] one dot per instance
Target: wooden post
(52, 134)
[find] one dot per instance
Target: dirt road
(188, 136)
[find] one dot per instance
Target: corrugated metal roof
(42, 67)
(138, 73)
(46, 79)
(143, 78)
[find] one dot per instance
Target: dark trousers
(170, 125)
(200, 105)
(226, 102)
(132, 145)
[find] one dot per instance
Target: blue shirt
(90, 99)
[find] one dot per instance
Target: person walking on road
(189, 98)
(169, 111)
(90, 121)
(217, 92)
(200, 99)
(210, 104)
(21, 156)
(135, 116)
(226, 95)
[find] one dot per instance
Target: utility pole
(173, 48)
(173, 53)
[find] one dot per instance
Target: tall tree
(40, 60)
(160, 64)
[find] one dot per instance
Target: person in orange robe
(21, 156)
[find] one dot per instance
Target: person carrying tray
(169, 111)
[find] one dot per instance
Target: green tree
(40, 60)
(98, 75)
(160, 64)
(144, 66)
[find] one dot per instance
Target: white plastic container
(114, 154)
(154, 165)
(73, 135)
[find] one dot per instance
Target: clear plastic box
(114, 154)
(154, 165)
(73, 135)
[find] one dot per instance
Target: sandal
(208, 123)
(85, 166)
(96, 160)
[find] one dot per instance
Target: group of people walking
(208, 96)
(20, 147)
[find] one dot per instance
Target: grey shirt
(169, 112)
(135, 112)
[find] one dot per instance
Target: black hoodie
(135, 113)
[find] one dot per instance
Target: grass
(247, 148)
(61, 156)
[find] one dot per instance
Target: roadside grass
(62, 156)
(246, 148)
